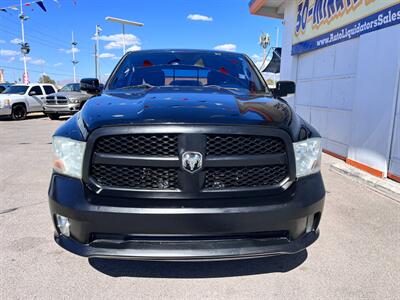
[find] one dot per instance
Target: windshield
(186, 68)
(16, 89)
(73, 87)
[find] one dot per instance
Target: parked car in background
(4, 86)
(19, 100)
(66, 101)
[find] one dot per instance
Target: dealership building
(344, 56)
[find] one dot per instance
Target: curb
(383, 186)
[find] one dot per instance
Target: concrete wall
(348, 92)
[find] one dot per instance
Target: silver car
(66, 101)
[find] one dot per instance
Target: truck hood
(174, 105)
(11, 96)
(71, 95)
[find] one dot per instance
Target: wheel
(18, 112)
(53, 116)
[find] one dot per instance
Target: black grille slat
(136, 177)
(244, 177)
(146, 145)
(243, 145)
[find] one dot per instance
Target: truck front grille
(127, 158)
(54, 100)
(146, 178)
(145, 144)
(244, 177)
(243, 145)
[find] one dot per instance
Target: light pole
(74, 61)
(96, 50)
(123, 22)
(25, 49)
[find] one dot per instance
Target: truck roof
(31, 84)
(187, 50)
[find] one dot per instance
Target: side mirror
(284, 88)
(32, 93)
(90, 85)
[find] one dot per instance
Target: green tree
(46, 79)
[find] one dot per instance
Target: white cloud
(107, 55)
(11, 59)
(134, 48)
(58, 64)
(8, 52)
(69, 51)
(36, 61)
(115, 41)
(16, 41)
(197, 17)
(257, 59)
(226, 47)
(2, 41)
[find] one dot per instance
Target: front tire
(53, 116)
(18, 112)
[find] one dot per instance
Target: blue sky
(168, 24)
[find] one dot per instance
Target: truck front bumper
(284, 223)
(61, 109)
(5, 111)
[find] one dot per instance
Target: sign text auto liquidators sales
(322, 23)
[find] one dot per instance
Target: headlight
(308, 156)
(68, 156)
(73, 100)
(7, 103)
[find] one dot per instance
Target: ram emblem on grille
(192, 161)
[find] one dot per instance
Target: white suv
(19, 100)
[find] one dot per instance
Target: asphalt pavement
(356, 256)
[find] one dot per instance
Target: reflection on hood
(271, 111)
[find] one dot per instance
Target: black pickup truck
(186, 155)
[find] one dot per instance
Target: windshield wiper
(138, 86)
(222, 87)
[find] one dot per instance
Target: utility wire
(44, 42)
(37, 71)
(54, 40)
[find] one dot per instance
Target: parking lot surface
(356, 256)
